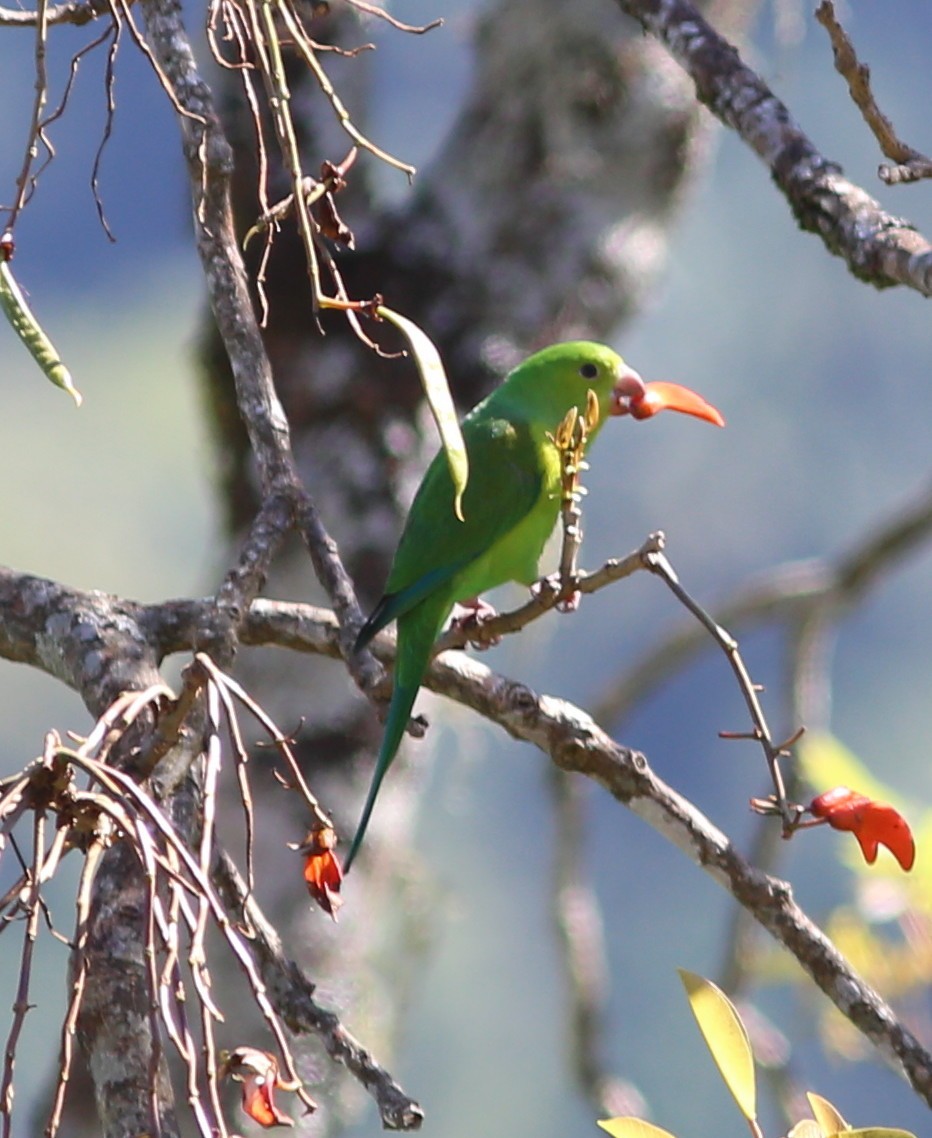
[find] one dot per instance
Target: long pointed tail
(399, 711)
(417, 631)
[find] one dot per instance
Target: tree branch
(877, 247)
(78, 12)
(210, 164)
(789, 592)
(911, 164)
(576, 743)
(293, 996)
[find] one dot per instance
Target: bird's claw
(469, 617)
(569, 602)
(567, 595)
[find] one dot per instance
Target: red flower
(258, 1072)
(873, 823)
(322, 871)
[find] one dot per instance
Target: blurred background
(824, 383)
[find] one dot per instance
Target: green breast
(515, 555)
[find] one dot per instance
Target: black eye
(588, 371)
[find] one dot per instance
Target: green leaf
(30, 331)
(725, 1037)
(633, 1128)
(437, 390)
(828, 1118)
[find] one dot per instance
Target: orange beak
(654, 397)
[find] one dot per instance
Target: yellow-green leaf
(633, 1128)
(806, 1129)
(828, 1118)
(725, 1037)
(30, 331)
(827, 762)
(878, 1132)
(437, 390)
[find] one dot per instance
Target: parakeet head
(560, 376)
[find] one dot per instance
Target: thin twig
(911, 164)
(773, 752)
(306, 48)
(25, 180)
(546, 593)
(414, 29)
(787, 593)
(21, 1005)
(109, 90)
(78, 966)
(293, 994)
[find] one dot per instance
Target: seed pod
(30, 331)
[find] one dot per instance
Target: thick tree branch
(576, 743)
(210, 164)
(878, 248)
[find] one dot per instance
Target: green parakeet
(510, 508)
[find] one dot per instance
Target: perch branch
(790, 592)
(576, 743)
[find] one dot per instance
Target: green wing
(506, 479)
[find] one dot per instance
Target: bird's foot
(469, 617)
(568, 596)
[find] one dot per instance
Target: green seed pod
(30, 331)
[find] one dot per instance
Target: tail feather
(417, 631)
(399, 712)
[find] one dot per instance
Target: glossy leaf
(437, 390)
(32, 334)
(726, 1038)
(633, 1128)
(828, 1118)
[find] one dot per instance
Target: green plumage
(510, 507)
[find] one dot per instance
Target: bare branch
(26, 180)
(878, 248)
(574, 742)
(293, 996)
(546, 595)
(791, 592)
(911, 165)
(78, 12)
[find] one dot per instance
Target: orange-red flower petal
(259, 1104)
(873, 823)
(258, 1072)
(322, 871)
